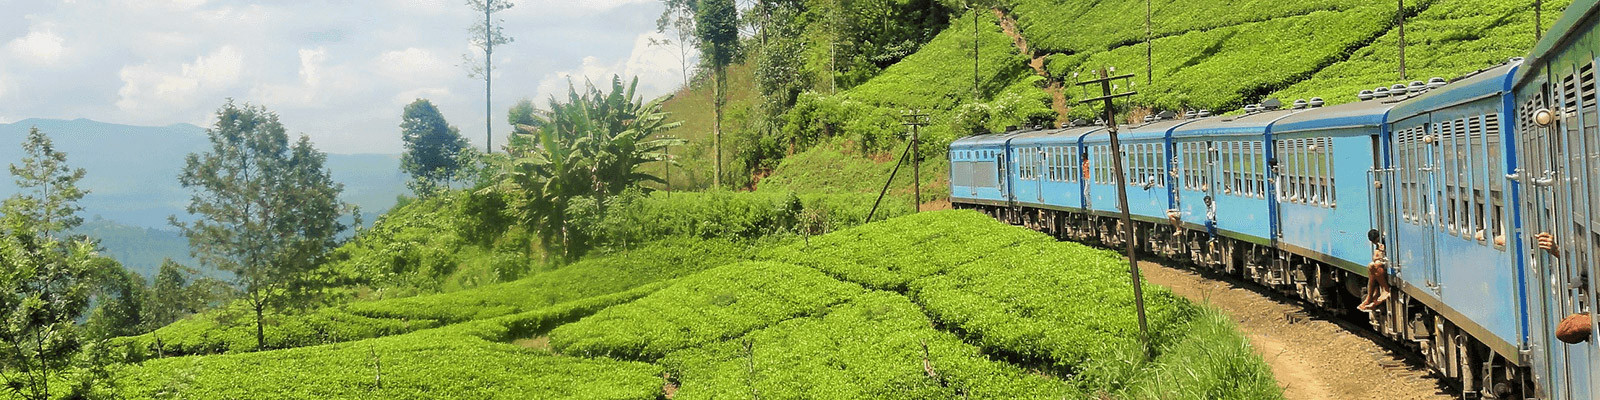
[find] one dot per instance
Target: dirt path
(1058, 97)
(1312, 358)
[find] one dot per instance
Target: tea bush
(603, 273)
(1062, 303)
(1447, 39)
(891, 254)
(868, 348)
(447, 362)
(714, 305)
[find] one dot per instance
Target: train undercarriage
(1461, 360)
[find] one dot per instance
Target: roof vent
(1203, 113)
(1038, 127)
(1249, 108)
(1010, 128)
(1149, 118)
(1316, 102)
(1189, 114)
(1271, 104)
(1417, 87)
(1167, 115)
(1079, 122)
(1099, 121)
(1365, 95)
(1380, 92)
(1299, 104)
(1398, 89)
(1436, 82)
(1516, 59)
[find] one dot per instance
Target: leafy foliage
(268, 210)
(434, 149)
(891, 255)
(45, 280)
(438, 363)
(869, 348)
(1447, 38)
(590, 146)
(714, 305)
(1226, 67)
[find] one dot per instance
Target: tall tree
(679, 18)
(717, 28)
(49, 196)
(485, 36)
(268, 210)
(433, 148)
(44, 280)
(591, 146)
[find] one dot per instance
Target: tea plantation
(946, 304)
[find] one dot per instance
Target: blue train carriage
(1237, 225)
(1456, 277)
(981, 173)
(1322, 192)
(1146, 166)
(1049, 178)
(1558, 169)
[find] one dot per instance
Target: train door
(1412, 238)
(1041, 171)
(1385, 215)
(1213, 170)
(1557, 163)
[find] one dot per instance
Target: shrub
(869, 348)
(714, 305)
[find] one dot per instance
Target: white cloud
(657, 67)
(310, 63)
(149, 87)
(413, 64)
(40, 47)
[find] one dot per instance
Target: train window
(1225, 153)
(1496, 208)
(1591, 145)
(1258, 166)
(1475, 134)
(1247, 168)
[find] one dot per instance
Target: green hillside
(1213, 55)
(907, 308)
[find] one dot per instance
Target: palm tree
(591, 145)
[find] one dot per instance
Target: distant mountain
(133, 170)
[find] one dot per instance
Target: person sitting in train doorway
(1377, 274)
(1575, 328)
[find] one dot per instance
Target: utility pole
(1128, 239)
(976, 93)
(1149, 53)
(1400, 22)
(916, 119)
(1538, 20)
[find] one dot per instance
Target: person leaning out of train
(1377, 274)
(1575, 328)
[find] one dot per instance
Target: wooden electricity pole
(916, 119)
(1400, 22)
(1149, 52)
(1128, 239)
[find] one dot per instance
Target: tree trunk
(261, 337)
(718, 90)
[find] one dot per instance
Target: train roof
(1365, 114)
(1486, 82)
(989, 139)
(1233, 125)
(1564, 30)
(1156, 130)
(1069, 135)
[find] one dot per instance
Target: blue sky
(339, 71)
